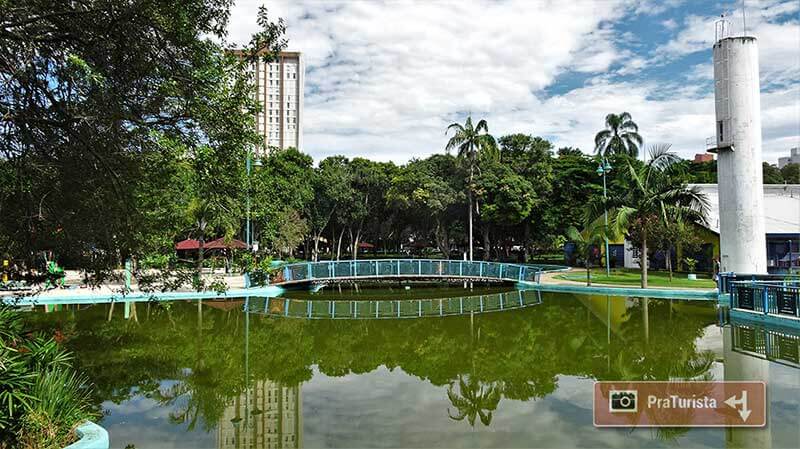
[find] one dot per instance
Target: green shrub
(62, 402)
(42, 398)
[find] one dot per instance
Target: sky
(384, 79)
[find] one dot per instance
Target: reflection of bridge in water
(773, 344)
(387, 309)
(331, 271)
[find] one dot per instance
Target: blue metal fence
(779, 298)
(409, 268)
(387, 309)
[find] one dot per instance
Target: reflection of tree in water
(474, 399)
(519, 354)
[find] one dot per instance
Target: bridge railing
(387, 268)
(387, 309)
(725, 280)
(780, 298)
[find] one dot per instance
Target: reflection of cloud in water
(144, 423)
(393, 409)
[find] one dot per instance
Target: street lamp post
(249, 164)
(247, 228)
(602, 169)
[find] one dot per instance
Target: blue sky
(384, 79)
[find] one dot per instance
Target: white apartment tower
(279, 89)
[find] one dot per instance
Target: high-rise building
(279, 89)
(794, 158)
(268, 415)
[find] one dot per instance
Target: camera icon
(622, 401)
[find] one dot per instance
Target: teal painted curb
(92, 437)
(768, 320)
(98, 298)
(702, 295)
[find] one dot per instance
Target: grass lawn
(633, 278)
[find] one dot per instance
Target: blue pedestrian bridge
(399, 269)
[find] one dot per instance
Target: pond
(205, 374)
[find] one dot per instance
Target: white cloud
(383, 80)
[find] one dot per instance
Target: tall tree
(621, 136)
(471, 143)
(655, 188)
(90, 91)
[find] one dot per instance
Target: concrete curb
(99, 297)
(91, 436)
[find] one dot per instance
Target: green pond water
(194, 374)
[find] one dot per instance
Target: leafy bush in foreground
(42, 397)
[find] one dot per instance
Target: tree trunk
(486, 243)
(669, 263)
(355, 244)
(588, 275)
(339, 245)
(470, 220)
(315, 256)
(643, 258)
(526, 254)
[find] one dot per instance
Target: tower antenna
(744, 19)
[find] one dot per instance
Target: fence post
(419, 307)
(398, 267)
(398, 309)
(765, 297)
(287, 274)
(377, 308)
(480, 270)
(501, 300)
(440, 307)
(309, 273)
(481, 299)
(330, 270)
(461, 269)
(286, 307)
(309, 308)
(420, 267)
(460, 305)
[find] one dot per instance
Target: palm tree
(473, 400)
(621, 136)
(655, 193)
(472, 143)
(586, 241)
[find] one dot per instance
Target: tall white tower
(743, 246)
